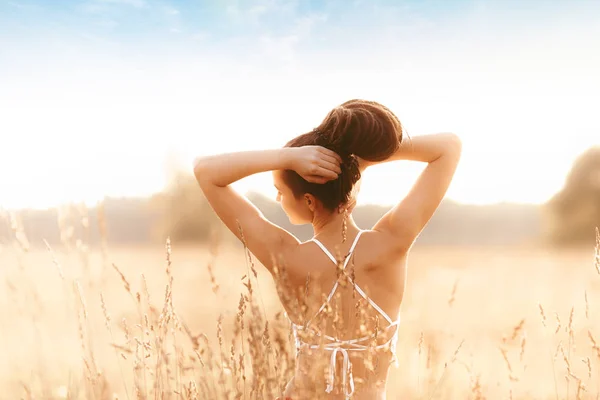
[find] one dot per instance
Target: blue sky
(238, 28)
(221, 19)
(134, 81)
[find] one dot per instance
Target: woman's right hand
(315, 164)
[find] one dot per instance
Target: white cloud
(282, 48)
(256, 11)
(24, 6)
(134, 3)
(233, 10)
(102, 7)
(171, 11)
(200, 36)
(173, 17)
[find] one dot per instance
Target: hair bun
(355, 129)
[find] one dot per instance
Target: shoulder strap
(328, 253)
(352, 248)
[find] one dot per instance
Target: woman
(344, 287)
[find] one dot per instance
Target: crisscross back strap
(373, 304)
(331, 257)
(336, 284)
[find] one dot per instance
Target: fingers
(330, 160)
(330, 153)
(321, 175)
(331, 165)
(325, 173)
(325, 166)
(316, 179)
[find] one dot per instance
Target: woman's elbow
(201, 170)
(454, 145)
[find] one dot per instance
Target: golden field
(72, 327)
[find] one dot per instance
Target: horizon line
(250, 194)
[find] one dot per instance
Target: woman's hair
(356, 128)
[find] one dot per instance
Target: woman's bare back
(345, 343)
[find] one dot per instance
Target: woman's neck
(332, 225)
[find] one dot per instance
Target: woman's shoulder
(384, 240)
(380, 248)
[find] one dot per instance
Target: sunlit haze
(96, 95)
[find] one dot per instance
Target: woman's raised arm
(216, 173)
(441, 151)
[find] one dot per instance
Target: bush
(186, 214)
(574, 212)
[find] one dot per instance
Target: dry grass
(205, 323)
